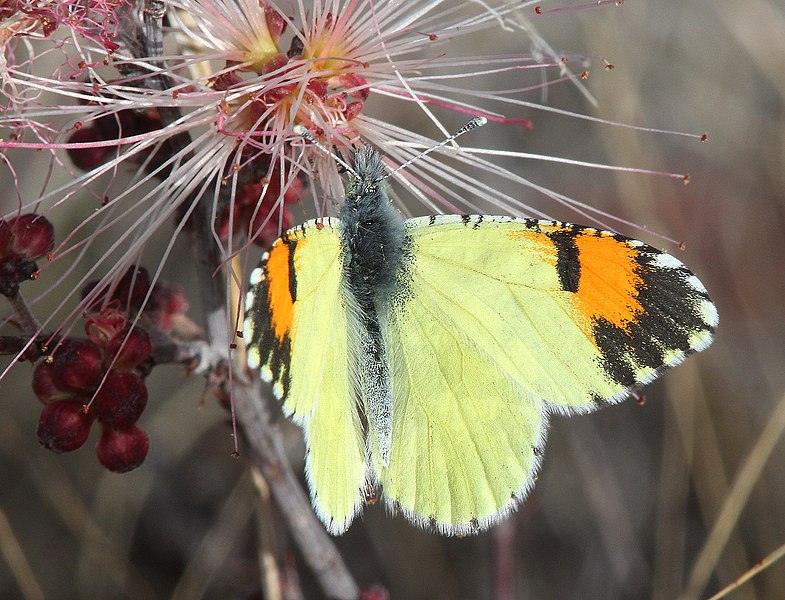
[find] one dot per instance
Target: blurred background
(673, 498)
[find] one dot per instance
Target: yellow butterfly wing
(500, 320)
(296, 331)
(465, 439)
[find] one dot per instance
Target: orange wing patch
(609, 280)
(280, 293)
(542, 242)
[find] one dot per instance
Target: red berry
(122, 450)
(34, 236)
(44, 385)
(121, 399)
(77, 365)
(116, 125)
(131, 351)
(63, 426)
(86, 157)
(133, 287)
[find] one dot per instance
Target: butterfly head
(367, 180)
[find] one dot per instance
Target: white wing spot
(710, 314)
(696, 283)
(249, 298)
(666, 261)
(257, 275)
(673, 358)
(253, 358)
(248, 329)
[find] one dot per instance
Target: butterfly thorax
(372, 232)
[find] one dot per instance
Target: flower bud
(87, 157)
(133, 287)
(104, 326)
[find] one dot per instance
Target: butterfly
(422, 357)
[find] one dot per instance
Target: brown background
(628, 497)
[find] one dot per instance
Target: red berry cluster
(23, 240)
(96, 378)
(102, 377)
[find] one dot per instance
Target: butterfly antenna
(306, 135)
(473, 124)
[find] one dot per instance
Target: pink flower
(147, 136)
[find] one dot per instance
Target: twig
(262, 438)
(764, 564)
(21, 347)
(24, 317)
(266, 450)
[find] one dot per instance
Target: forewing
(578, 317)
(296, 331)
